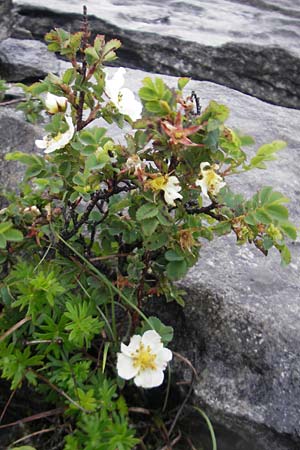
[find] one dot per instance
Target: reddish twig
(52, 412)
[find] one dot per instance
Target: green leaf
(157, 241)
(289, 230)
(91, 55)
(222, 228)
(146, 211)
(265, 153)
(277, 212)
(2, 241)
(177, 269)
(166, 332)
(182, 82)
(285, 255)
(69, 76)
(149, 226)
(13, 235)
(5, 226)
(172, 255)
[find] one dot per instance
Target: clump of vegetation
(98, 228)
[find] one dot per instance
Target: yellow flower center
(57, 138)
(211, 177)
(158, 183)
(178, 135)
(143, 358)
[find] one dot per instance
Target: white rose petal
(171, 190)
(123, 98)
(211, 182)
(50, 144)
(54, 103)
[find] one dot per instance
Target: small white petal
(133, 346)
(128, 105)
(54, 103)
(125, 367)
(170, 196)
(152, 339)
(162, 358)
(203, 186)
(149, 378)
(41, 143)
(203, 165)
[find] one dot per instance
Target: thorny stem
(190, 209)
(85, 30)
(95, 197)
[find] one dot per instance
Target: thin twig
(36, 433)
(190, 443)
(7, 404)
(60, 391)
(138, 410)
(172, 443)
(15, 327)
(186, 361)
(12, 102)
(52, 412)
(182, 406)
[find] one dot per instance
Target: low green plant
(99, 227)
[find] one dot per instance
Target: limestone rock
(251, 46)
(26, 60)
(5, 18)
(240, 327)
(15, 134)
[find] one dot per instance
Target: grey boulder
(240, 327)
(251, 46)
(15, 134)
(6, 18)
(26, 60)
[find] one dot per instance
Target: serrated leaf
(289, 230)
(177, 269)
(222, 228)
(172, 255)
(149, 226)
(277, 212)
(262, 216)
(146, 211)
(13, 235)
(157, 241)
(69, 76)
(91, 55)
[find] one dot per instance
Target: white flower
(60, 141)
(123, 98)
(55, 104)
(144, 359)
(170, 185)
(211, 182)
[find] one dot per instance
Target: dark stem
(85, 30)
